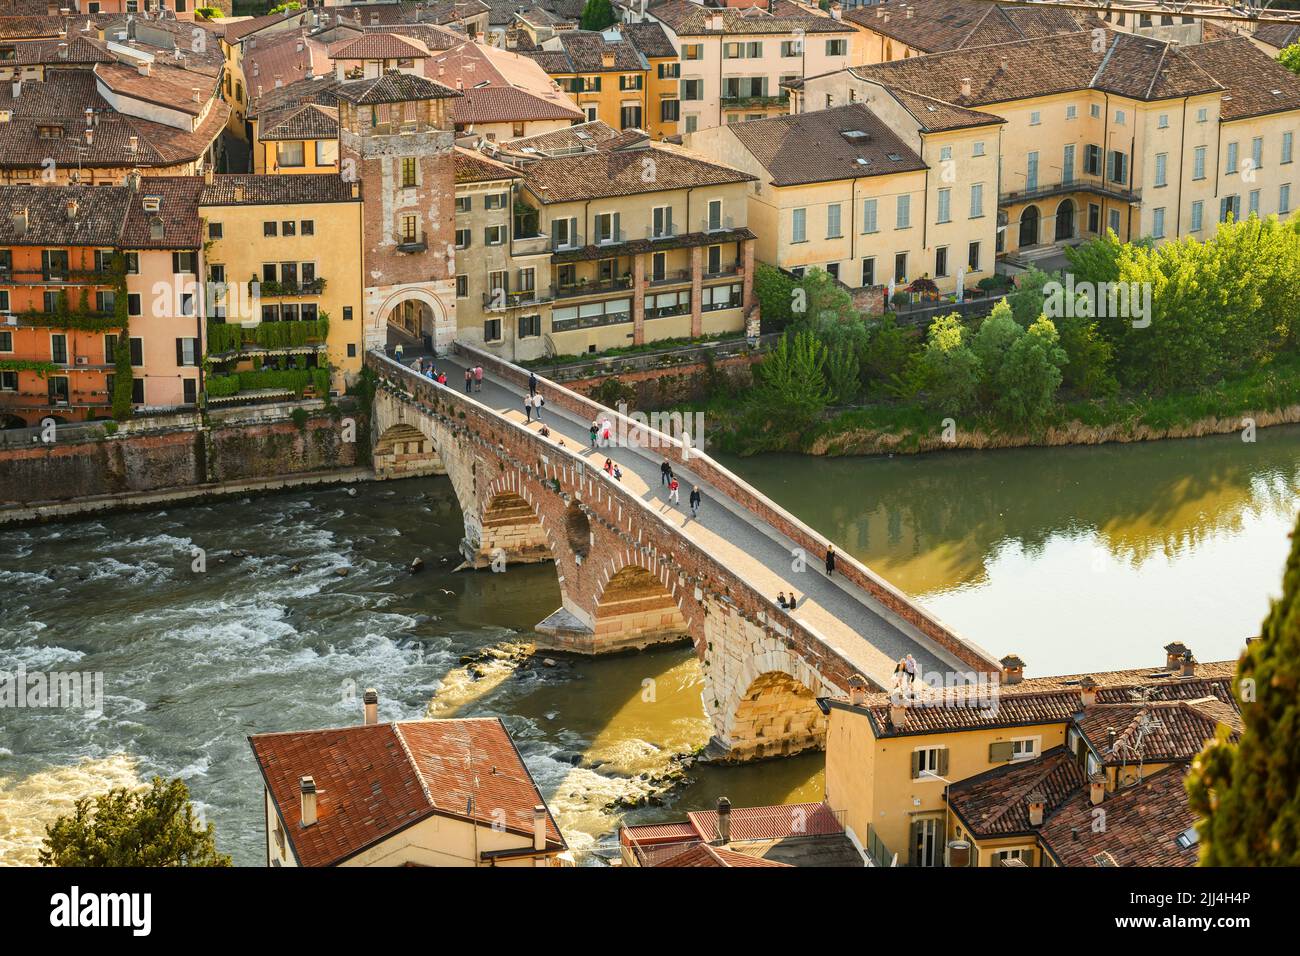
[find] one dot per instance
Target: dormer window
(152, 203)
(49, 132)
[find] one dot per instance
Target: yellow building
(1111, 131)
(286, 249)
(988, 773)
(418, 793)
(873, 196)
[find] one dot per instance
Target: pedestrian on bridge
(696, 499)
(532, 383)
(397, 352)
(528, 408)
(830, 560)
(909, 665)
(478, 378)
(595, 430)
(538, 402)
(674, 494)
(469, 380)
(665, 472)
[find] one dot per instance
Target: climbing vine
(123, 388)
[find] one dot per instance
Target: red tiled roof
(769, 823)
(996, 802)
(378, 46)
(178, 211)
(504, 104)
(1255, 84)
(1143, 823)
(1158, 731)
(703, 855)
(373, 781)
(472, 167)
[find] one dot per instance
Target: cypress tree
(1248, 793)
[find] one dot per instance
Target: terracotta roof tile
(373, 781)
(472, 167)
(100, 214)
(1255, 84)
(273, 189)
(382, 46)
(393, 88)
(1159, 731)
(996, 802)
(938, 25)
(178, 214)
(813, 147)
(621, 172)
(702, 855)
(309, 121)
(686, 18)
(581, 136)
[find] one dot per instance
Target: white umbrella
(961, 285)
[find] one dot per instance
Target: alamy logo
(73, 690)
(74, 909)
(1098, 300)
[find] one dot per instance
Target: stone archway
(1065, 220)
(403, 451)
(511, 531)
(411, 311)
(636, 610)
(777, 716)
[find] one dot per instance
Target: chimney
(239, 193)
(1013, 669)
(299, 46)
(539, 827)
(89, 135)
(1097, 788)
(90, 116)
(965, 87)
(1087, 691)
(18, 221)
(198, 93)
(886, 16)
(371, 702)
(724, 821)
(880, 12)
(897, 711)
(715, 22)
(836, 10)
(72, 208)
(209, 177)
(356, 189)
(909, 13)
(1006, 61)
(1037, 804)
(1174, 655)
(63, 51)
(307, 787)
(144, 68)
(133, 143)
(607, 59)
(18, 88)
(857, 690)
(1189, 665)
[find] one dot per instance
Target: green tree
(819, 300)
(791, 381)
(1089, 368)
(890, 350)
(842, 378)
(1290, 58)
(1248, 793)
(1026, 299)
(1028, 376)
(949, 369)
(153, 827)
(774, 290)
(597, 15)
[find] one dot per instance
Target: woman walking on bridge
(830, 560)
(674, 492)
(695, 499)
(469, 380)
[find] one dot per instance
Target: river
(1077, 559)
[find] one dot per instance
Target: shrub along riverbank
(1133, 343)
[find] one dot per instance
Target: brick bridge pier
(633, 572)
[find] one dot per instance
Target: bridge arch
(777, 715)
(414, 310)
(511, 528)
(402, 450)
(637, 608)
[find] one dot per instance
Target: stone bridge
(635, 570)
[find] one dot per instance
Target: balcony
(721, 224)
(755, 102)
(592, 286)
(275, 290)
(669, 277)
(1097, 185)
(725, 269)
(500, 300)
(537, 245)
(412, 245)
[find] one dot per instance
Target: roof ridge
(410, 759)
(1024, 790)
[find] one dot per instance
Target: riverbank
(41, 512)
(1262, 398)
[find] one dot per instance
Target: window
(692, 51)
(1163, 122)
(715, 215)
(58, 390)
(8, 381)
(1114, 221)
(799, 225)
(791, 48)
(945, 154)
(410, 229)
(1284, 199)
(1231, 165)
(868, 272)
(1071, 112)
(837, 47)
(1162, 161)
(1035, 118)
(1067, 164)
(692, 123)
(462, 286)
(462, 238)
(187, 351)
(408, 172)
(1198, 163)
(669, 111)
(59, 349)
(630, 81)
(978, 149)
(1229, 206)
(1253, 207)
(670, 71)
(929, 763)
(833, 221)
(137, 391)
(658, 266)
(288, 228)
(214, 230)
(1094, 217)
(719, 297)
(1118, 166)
(54, 263)
(133, 303)
(289, 154)
(903, 213)
(492, 330)
(494, 235)
(327, 152)
(1198, 214)
(1024, 747)
(1094, 110)
(715, 261)
(869, 216)
(565, 232)
(6, 341)
(607, 227)
(104, 302)
(1092, 160)
(1257, 151)
(185, 263)
(662, 217)
(630, 117)
(833, 270)
(270, 228)
(1119, 117)
(530, 326)
(1031, 171)
(1001, 856)
(1288, 140)
(692, 90)
(945, 206)
(973, 257)
(941, 261)
(900, 267)
(1158, 222)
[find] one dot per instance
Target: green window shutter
(1000, 752)
(916, 764)
(913, 837)
(943, 762)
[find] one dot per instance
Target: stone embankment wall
(175, 452)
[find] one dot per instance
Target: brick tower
(397, 138)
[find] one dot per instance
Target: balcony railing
(1087, 182)
(530, 245)
(500, 300)
(721, 224)
(560, 243)
(670, 277)
(591, 287)
(877, 850)
(754, 102)
(277, 289)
